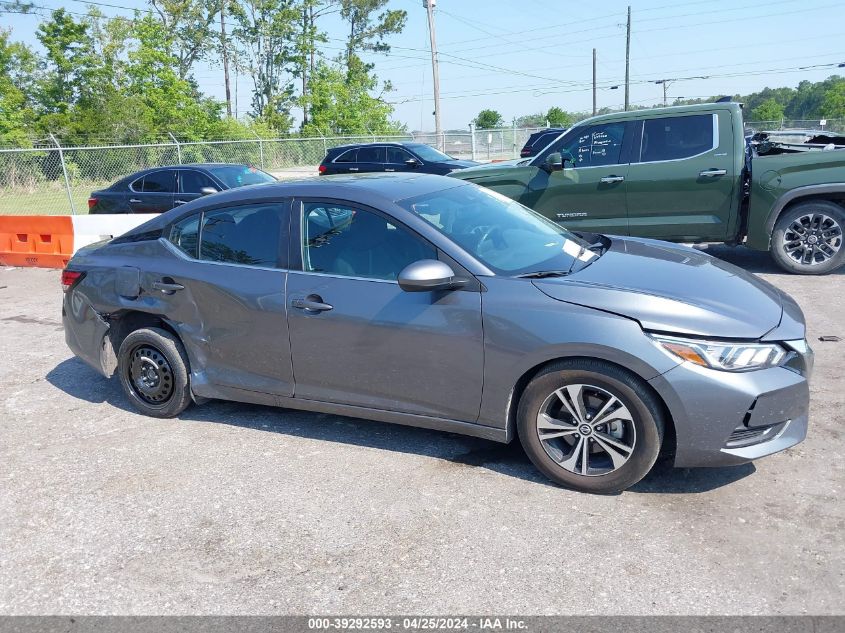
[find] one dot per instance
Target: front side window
(194, 181)
(350, 242)
(159, 182)
(594, 145)
(246, 235)
(672, 138)
(397, 155)
(428, 153)
(507, 237)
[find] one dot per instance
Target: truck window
(672, 138)
(595, 145)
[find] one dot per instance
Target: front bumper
(724, 418)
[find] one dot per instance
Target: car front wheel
(153, 369)
(807, 238)
(590, 426)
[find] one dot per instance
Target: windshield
(426, 152)
(240, 175)
(507, 237)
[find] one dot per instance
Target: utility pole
(429, 5)
(594, 82)
(628, 61)
(225, 57)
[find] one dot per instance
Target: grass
(48, 200)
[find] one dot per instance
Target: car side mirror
(207, 191)
(428, 274)
(554, 162)
(412, 162)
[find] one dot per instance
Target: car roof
(374, 189)
(646, 113)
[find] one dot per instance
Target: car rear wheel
(590, 426)
(153, 370)
(807, 238)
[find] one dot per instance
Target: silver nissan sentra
(428, 301)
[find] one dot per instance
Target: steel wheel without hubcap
(812, 239)
(586, 430)
(150, 375)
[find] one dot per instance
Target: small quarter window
(183, 235)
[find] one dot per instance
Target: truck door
(683, 182)
(589, 193)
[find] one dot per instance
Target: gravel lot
(245, 509)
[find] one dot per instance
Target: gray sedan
(432, 302)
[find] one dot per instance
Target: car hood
(460, 163)
(672, 288)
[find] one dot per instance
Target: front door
(589, 193)
(153, 192)
(683, 182)
(226, 293)
(190, 185)
(358, 339)
(397, 159)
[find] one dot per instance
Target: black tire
(821, 261)
(164, 390)
(644, 431)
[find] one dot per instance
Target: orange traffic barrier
(36, 240)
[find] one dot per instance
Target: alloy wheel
(586, 430)
(812, 239)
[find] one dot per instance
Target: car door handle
(134, 201)
(608, 180)
(312, 303)
(180, 202)
(389, 169)
(353, 169)
(712, 173)
(167, 287)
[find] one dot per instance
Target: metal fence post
(178, 149)
(472, 138)
(513, 138)
(64, 171)
(260, 148)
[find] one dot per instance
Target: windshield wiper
(540, 274)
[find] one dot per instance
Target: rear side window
(672, 138)
(371, 155)
(347, 156)
(184, 234)
(158, 182)
(246, 235)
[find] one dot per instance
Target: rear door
(589, 193)
(190, 184)
(346, 162)
(153, 192)
(371, 158)
(682, 180)
(224, 287)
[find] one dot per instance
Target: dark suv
(369, 157)
(538, 140)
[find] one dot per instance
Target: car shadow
(75, 378)
(750, 260)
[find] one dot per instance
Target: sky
(525, 56)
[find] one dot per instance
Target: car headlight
(723, 355)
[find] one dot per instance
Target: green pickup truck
(684, 174)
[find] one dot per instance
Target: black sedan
(159, 189)
(370, 157)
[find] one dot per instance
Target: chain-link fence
(54, 180)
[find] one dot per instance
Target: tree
(17, 78)
(70, 59)
(768, 110)
(367, 30)
(340, 102)
(532, 120)
(557, 117)
(308, 37)
(189, 22)
(487, 119)
(833, 105)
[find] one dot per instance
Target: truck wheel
(808, 238)
(590, 426)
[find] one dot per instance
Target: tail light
(92, 202)
(322, 169)
(70, 278)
